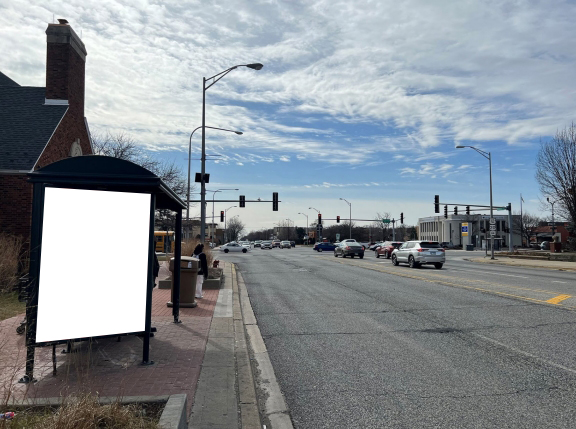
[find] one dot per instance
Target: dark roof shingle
(26, 125)
(6, 81)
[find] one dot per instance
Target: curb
(270, 399)
(174, 413)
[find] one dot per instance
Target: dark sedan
(349, 248)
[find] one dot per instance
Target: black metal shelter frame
(101, 173)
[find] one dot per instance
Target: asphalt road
(363, 344)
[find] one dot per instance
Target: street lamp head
(239, 132)
(341, 198)
(460, 147)
(255, 66)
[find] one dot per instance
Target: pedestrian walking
(203, 271)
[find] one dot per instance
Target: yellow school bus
(164, 241)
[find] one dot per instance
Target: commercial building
(474, 229)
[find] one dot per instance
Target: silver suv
(417, 253)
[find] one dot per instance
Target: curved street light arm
(480, 151)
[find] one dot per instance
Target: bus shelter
(92, 252)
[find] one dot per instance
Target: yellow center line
(558, 299)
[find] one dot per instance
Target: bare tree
(556, 175)
(123, 146)
(234, 228)
(525, 226)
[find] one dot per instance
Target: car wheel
(438, 265)
(412, 263)
(377, 254)
(361, 256)
(226, 250)
(244, 250)
(394, 260)
(320, 250)
(335, 254)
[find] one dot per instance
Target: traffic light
(446, 212)
(401, 217)
(319, 219)
(455, 210)
(468, 210)
(337, 219)
(242, 201)
(222, 216)
(275, 201)
(436, 203)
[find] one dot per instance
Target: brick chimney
(65, 65)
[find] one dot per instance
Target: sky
(362, 100)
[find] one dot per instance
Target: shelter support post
(148, 324)
(177, 260)
(32, 287)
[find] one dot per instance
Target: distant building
(41, 125)
(438, 228)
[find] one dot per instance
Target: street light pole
(553, 223)
(213, 195)
(204, 157)
(488, 156)
(307, 232)
(349, 204)
(225, 217)
(215, 78)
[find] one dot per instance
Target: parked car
(446, 245)
(285, 245)
(387, 248)
(276, 243)
(349, 248)
(257, 243)
(417, 253)
(266, 245)
(233, 247)
(324, 247)
(293, 243)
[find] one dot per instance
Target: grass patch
(10, 306)
(86, 413)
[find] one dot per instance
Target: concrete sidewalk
(528, 263)
(204, 357)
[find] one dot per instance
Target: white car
(285, 245)
(246, 244)
(233, 247)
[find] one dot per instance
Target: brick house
(41, 125)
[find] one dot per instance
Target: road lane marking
(522, 352)
(556, 281)
(439, 276)
(558, 299)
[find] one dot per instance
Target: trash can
(469, 247)
(187, 281)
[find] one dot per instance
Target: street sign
(551, 223)
(492, 221)
(492, 233)
(500, 208)
(385, 220)
(464, 229)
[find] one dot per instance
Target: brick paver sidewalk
(112, 368)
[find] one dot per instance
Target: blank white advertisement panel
(94, 264)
